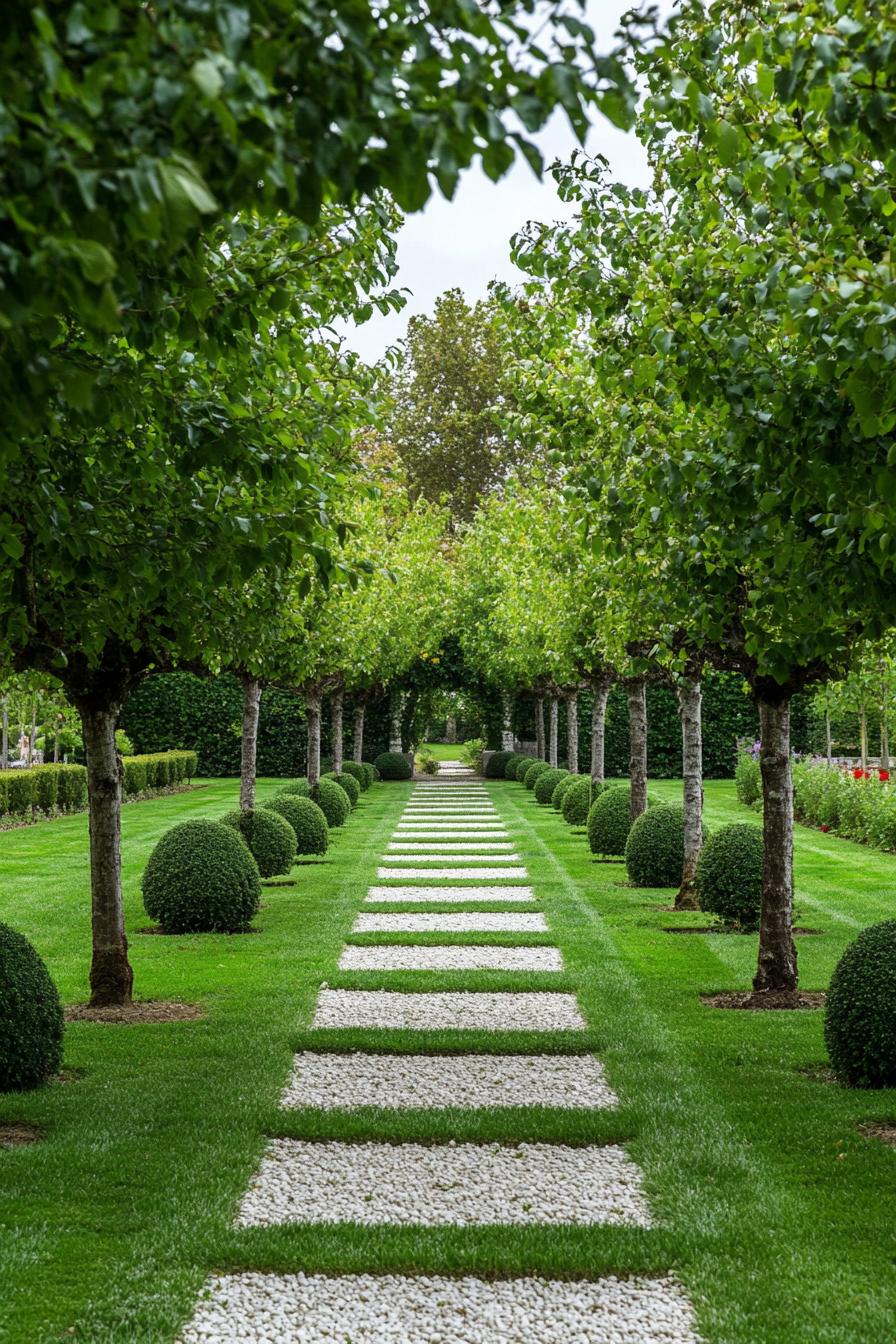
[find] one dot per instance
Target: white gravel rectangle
(255, 1308)
(456, 1185)
(448, 1010)
(451, 846)
(476, 874)
(468, 922)
(433, 1082)
(450, 958)
(450, 856)
(449, 895)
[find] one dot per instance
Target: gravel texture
(387, 1309)
(452, 846)
(479, 874)
(447, 1011)
(451, 959)
(474, 922)
(440, 829)
(417, 856)
(458, 1185)
(449, 895)
(398, 1082)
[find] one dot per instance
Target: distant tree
(445, 390)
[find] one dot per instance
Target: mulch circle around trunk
(883, 1131)
(147, 1011)
(723, 929)
(764, 1000)
(16, 1135)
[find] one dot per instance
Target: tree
(445, 393)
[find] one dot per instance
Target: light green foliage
(748, 779)
(859, 809)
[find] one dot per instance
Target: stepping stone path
(451, 831)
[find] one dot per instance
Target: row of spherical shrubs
(205, 876)
(202, 877)
(861, 999)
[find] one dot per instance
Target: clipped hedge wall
(42, 789)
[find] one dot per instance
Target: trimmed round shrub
(546, 783)
(201, 878)
(654, 850)
(517, 769)
(271, 839)
(530, 777)
(31, 1022)
(861, 1009)
(306, 819)
(297, 788)
(511, 764)
(333, 801)
(608, 820)
(370, 769)
(496, 764)
(347, 782)
(393, 765)
(577, 800)
(359, 773)
(729, 874)
(561, 789)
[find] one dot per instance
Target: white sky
(464, 243)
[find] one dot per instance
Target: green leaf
(96, 261)
(207, 77)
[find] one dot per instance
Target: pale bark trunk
(539, 727)
(358, 734)
(884, 742)
(552, 742)
(32, 733)
(111, 977)
(396, 704)
(827, 735)
(249, 741)
(598, 732)
(636, 692)
(689, 708)
(451, 730)
(4, 745)
(336, 702)
(863, 734)
(312, 721)
(776, 969)
(56, 743)
(506, 721)
(572, 732)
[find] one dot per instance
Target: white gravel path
(423, 830)
(450, 856)
(480, 874)
(450, 958)
(448, 1011)
(399, 1082)
(449, 895)
(461, 1185)
(487, 921)
(257, 1308)
(451, 846)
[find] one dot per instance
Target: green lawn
(441, 751)
(774, 1211)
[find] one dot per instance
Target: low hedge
(347, 782)
(31, 1023)
(160, 770)
(861, 1009)
(393, 765)
(307, 821)
(546, 783)
(496, 764)
(270, 838)
(201, 878)
(42, 788)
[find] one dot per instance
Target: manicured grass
(442, 751)
(773, 1211)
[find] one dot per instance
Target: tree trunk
(111, 977)
(312, 718)
(827, 735)
(56, 741)
(249, 742)
(598, 731)
(451, 730)
(636, 693)
(539, 727)
(358, 733)
(776, 969)
(396, 704)
(690, 697)
(4, 745)
(863, 735)
(32, 732)
(552, 745)
(506, 721)
(336, 702)
(572, 732)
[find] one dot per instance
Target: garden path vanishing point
(438, 1184)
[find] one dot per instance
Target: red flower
(824, 828)
(858, 773)
(883, 775)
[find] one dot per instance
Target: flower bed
(859, 804)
